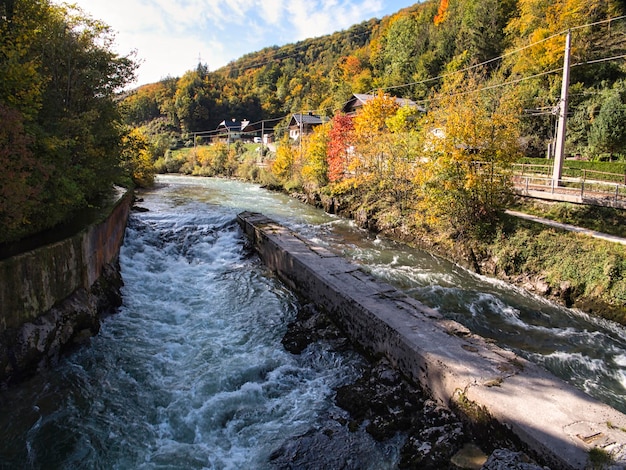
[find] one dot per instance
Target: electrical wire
(503, 56)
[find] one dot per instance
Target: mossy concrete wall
(556, 421)
(39, 286)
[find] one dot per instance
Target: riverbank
(492, 388)
(389, 407)
(571, 269)
(53, 295)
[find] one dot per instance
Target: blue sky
(170, 36)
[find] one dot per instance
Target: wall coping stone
(554, 419)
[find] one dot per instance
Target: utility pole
(559, 151)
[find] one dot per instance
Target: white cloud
(170, 35)
(271, 11)
(316, 18)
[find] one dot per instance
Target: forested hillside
(494, 64)
(484, 79)
(406, 55)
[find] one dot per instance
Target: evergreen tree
(608, 130)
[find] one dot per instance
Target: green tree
(57, 88)
(193, 101)
(608, 129)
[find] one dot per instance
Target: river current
(190, 372)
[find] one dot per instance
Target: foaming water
(569, 343)
(587, 352)
(190, 373)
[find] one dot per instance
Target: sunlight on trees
(372, 138)
(284, 165)
(58, 80)
(477, 135)
(137, 158)
(340, 147)
(406, 151)
(315, 165)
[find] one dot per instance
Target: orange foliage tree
(441, 13)
(340, 145)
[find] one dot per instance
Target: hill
(406, 55)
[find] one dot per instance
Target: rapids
(191, 373)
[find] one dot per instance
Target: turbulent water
(190, 373)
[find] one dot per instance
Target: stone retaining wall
(556, 421)
(52, 296)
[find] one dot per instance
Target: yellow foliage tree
(315, 167)
(406, 145)
(472, 136)
(541, 24)
(284, 165)
(137, 158)
(373, 143)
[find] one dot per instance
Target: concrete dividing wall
(51, 295)
(555, 420)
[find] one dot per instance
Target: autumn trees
(464, 182)
(443, 168)
(60, 135)
(486, 77)
(406, 54)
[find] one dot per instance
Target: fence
(587, 187)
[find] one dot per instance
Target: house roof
(359, 99)
(309, 119)
(233, 124)
(251, 127)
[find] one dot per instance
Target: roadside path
(572, 228)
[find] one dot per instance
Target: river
(190, 372)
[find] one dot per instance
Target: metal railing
(581, 190)
(569, 172)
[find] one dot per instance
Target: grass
(598, 458)
(588, 273)
(602, 219)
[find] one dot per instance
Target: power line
(439, 77)
(503, 56)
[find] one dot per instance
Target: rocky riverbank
(482, 257)
(394, 411)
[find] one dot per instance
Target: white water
(190, 373)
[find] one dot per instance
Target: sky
(171, 37)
